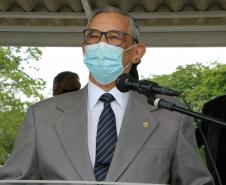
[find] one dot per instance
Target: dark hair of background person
(66, 82)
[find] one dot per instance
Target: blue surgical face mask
(104, 61)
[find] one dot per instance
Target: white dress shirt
(94, 110)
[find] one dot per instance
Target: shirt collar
(94, 93)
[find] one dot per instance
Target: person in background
(66, 82)
(101, 134)
(215, 136)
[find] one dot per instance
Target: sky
(156, 61)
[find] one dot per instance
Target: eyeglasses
(113, 37)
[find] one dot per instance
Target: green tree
(17, 91)
(197, 82)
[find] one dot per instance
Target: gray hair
(133, 26)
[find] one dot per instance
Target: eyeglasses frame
(105, 35)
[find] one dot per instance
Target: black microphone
(125, 82)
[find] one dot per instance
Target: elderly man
(99, 133)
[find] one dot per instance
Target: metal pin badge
(146, 124)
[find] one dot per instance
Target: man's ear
(138, 53)
(83, 47)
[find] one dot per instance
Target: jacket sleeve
(187, 167)
(203, 125)
(22, 163)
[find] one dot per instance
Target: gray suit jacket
(52, 144)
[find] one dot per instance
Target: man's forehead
(109, 18)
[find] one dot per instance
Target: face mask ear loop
(130, 62)
(130, 47)
(126, 66)
(126, 50)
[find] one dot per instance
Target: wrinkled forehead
(109, 21)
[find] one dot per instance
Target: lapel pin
(146, 124)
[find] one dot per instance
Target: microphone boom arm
(161, 103)
(125, 83)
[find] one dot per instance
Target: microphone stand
(161, 103)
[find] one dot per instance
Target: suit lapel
(137, 126)
(71, 129)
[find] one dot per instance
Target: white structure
(162, 22)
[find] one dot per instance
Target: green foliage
(10, 122)
(197, 82)
(17, 91)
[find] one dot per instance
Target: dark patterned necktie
(106, 138)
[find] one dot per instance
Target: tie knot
(107, 98)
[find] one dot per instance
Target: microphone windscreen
(120, 82)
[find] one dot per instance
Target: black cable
(205, 143)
